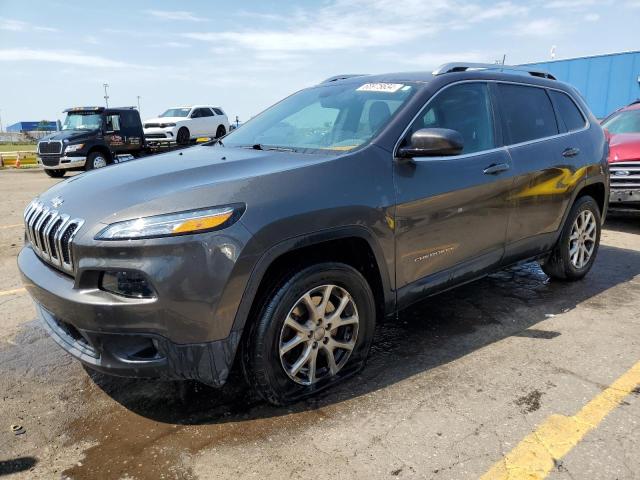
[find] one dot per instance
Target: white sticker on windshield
(380, 87)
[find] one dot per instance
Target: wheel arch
(355, 246)
(103, 149)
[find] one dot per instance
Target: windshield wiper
(259, 146)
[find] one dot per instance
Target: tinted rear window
(569, 113)
(527, 113)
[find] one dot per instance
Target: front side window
(627, 121)
(569, 113)
(82, 121)
(527, 113)
(465, 108)
(112, 123)
(337, 117)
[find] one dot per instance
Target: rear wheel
(96, 160)
(577, 247)
(221, 131)
(58, 173)
(313, 330)
(183, 136)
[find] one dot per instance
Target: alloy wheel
(582, 241)
(99, 162)
(318, 334)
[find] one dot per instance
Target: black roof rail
(335, 78)
(463, 67)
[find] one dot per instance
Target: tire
(563, 263)
(263, 365)
(221, 131)
(183, 136)
(58, 173)
(95, 160)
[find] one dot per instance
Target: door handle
(495, 168)
(570, 152)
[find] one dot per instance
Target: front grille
(51, 235)
(625, 175)
(151, 125)
(155, 135)
(50, 147)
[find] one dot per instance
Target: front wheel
(576, 250)
(58, 173)
(313, 330)
(183, 136)
(96, 160)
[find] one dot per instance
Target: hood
(624, 147)
(166, 119)
(196, 177)
(70, 135)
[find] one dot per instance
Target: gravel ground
(451, 388)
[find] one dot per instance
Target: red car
(623, 130)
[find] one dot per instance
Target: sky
(246, 55)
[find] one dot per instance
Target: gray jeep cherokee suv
(281, 245)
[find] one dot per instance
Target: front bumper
(624, 197)
(144, 355)
(53, 162)
(183, 332)
(160, 135)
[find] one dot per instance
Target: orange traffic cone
(17, 164)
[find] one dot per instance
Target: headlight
(74, 148)
(195, 221)
(165, 125)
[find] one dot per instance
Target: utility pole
(106, 95)
(138, 103)
(0, 121)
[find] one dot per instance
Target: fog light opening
(126, 284)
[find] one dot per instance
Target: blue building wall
(607, 82)
(30, 126)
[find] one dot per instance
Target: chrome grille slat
(51, 235)
(53, 147)
(631, 178)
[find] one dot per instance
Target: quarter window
(527, 113)
(569, 113)
(465, 108)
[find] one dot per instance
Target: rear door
(452, 212)
(209, 123)
(546, 166)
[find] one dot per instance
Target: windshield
(329, 117)
(623, 122)
(82, 121)
(176, 112)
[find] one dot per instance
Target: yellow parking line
(15, 291)
(2, 227)
(535, 456)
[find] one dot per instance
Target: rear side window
(569, 113)
(218, 111)
(465, 108)
(527, 113)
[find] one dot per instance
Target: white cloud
(12, 25)
(592, 17)
(175, 44)
(60, 56)
(176, 15)
(537, 28)
(356, 24)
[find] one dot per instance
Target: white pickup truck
(182, 124)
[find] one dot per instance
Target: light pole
(106, 95)
(0, 121)
(138, 103)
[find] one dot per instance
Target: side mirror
(433, 142)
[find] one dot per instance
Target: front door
(452, 212)
(113, 135)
